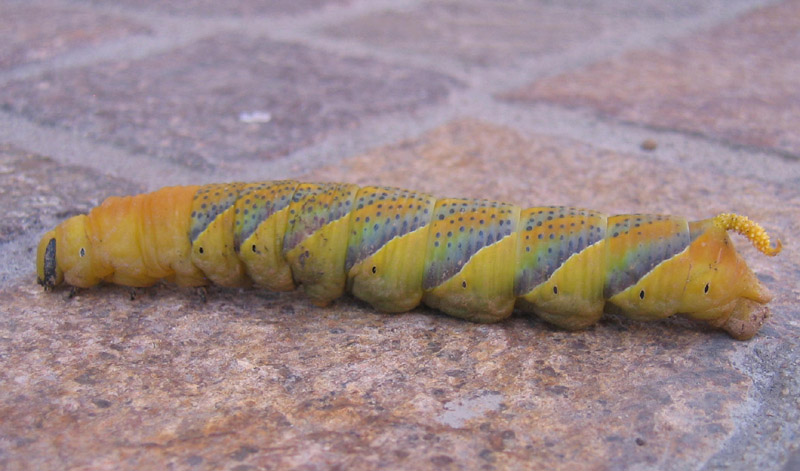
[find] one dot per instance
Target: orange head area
(66, 254)
(720, 287)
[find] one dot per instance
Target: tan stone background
(528, 102)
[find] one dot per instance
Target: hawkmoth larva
(395, 248)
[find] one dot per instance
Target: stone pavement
(690, 108)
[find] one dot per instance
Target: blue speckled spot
(550, 236)
(648, 240)
(209, 202)
(464, 227)
(256, 203)
(315, 205)
(397, 211)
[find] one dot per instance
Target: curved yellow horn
(750, 229)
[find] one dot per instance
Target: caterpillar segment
(394, 248)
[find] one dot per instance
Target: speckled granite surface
(118, 98)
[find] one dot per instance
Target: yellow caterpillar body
(395, 249)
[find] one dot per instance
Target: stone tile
(271, 381)
(36, 192)
(488, 33)
(104, 382)
(738, 82)
(223, 98)
(33, 33)
(232, 7)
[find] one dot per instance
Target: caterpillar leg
(202, 293)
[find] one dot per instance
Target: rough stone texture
(477, 32)
(270, 381)
(273, 382)
(254, 380)
(36, 192)
(738, 82)
(486, 33)
(199, 105)
(230, 7)
(33, 33)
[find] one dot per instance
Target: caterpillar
(394, 248)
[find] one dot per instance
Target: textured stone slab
(33, 33)
(231, 7)
(227, 97)
(738, 83)
(36, 192)
(271, 381)
(482, 32)
(255, 380)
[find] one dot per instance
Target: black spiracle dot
(374, 269)
(705, 290)
(464, 284)
(200, 249)
(82, 253)
(555, 289)
(254, 248)
(641, 294)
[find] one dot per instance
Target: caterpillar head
(720, 287)
(48, 274)
(65, 254)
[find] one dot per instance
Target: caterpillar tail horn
(749, 311)
(752, 230)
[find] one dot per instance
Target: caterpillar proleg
(395, 249)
